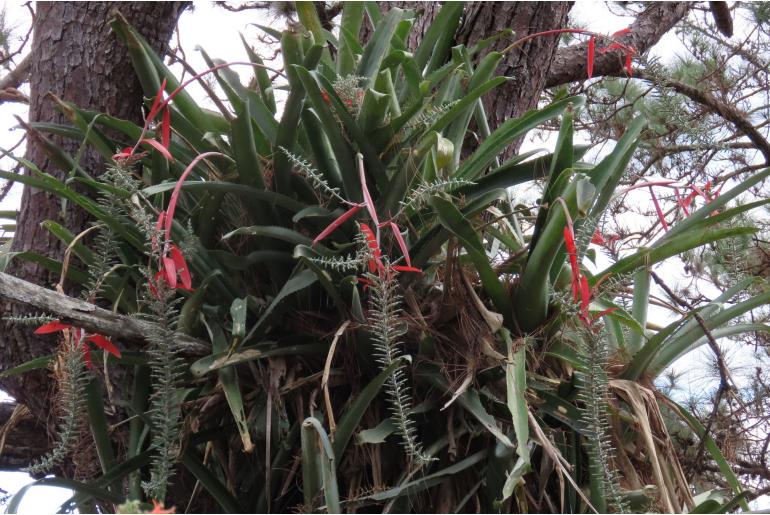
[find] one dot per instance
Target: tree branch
(726, 111)
(569, 65)
(85, 315)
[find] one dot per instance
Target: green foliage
(430, 352)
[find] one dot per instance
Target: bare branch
(726, 111)
(85, 315)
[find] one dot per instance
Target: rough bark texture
(76, 56)
(529, 64)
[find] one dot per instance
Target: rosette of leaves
(288, 411)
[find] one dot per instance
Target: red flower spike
(123, 154)
(604, 312)
(621, 32)
(401, 242)
(159, 147)
(569, 242)
(87, 356)
(629, 68)
(401, 268)
(169, 271)
(104, 344)
(367, 197)
(597, 238)
(157, 104)
(376, 262)
(336, 223)
(585, 294)
(52, 327)
(591, 52)
(165, 128)
(181, 268)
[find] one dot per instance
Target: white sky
(216, 30)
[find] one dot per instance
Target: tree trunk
(75, 56)
(527, 65)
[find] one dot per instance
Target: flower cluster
(581, 291)
(375, 262)
(81, 338)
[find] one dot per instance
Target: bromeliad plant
(386, 329)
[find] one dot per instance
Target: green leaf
(516, 390)
(352, 17)
(663, 249)
(274, 232)
(355, 412)
(507, 133)
(69, 484)
(327, 462)
(378, 45)
(451, 218)
(209, 481)
(33, 364)
(228, 376)
(220, 360)
(712, 448)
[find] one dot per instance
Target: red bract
(52, 327)
(400, 240)
(336, 223)
(159, 147)
(569, 242)
(376, 262)
(97, 339)
(629, 68)
(174, 270)
(590, 60)
(165, 128)
(597, 238)
(158, 507)
(401, 268)
(581, 291)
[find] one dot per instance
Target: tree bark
(529, 64)
(75, 56)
